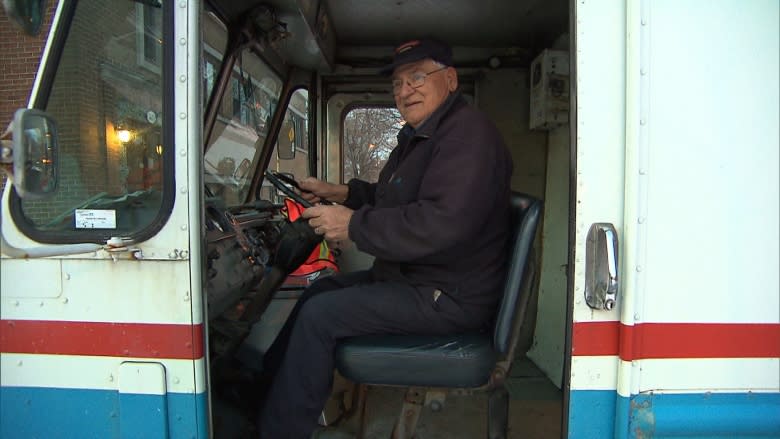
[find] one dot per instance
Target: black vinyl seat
(478, 361)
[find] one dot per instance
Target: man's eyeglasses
(415, 80)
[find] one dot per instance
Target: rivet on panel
(41, 304)
(183, 190)
(182, 115)
(184, 227)
(67, 276)
(641, 220)
(182, 5)
(20, 363)
(182, 78)
(638, 268)
(183, 152)
(64, 300)
(182, 41)
(176, 380)
(16, 303)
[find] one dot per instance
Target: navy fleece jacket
(439, 214)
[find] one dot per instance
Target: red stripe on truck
(149, 340)
(677, 340)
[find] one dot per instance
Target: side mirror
(285, 143)
(28, 14)
(35, 154)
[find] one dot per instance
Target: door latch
(601, 267)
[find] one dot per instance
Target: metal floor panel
(463, 417)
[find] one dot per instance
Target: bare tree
(369, 137)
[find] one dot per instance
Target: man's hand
(330, 221)
(314, 191)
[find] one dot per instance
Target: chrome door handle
(601, 267)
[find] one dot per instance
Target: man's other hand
(332, 222)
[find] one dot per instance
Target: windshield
(291, 150)
(243, 119)
(107, 98)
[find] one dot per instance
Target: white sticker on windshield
(95, 219)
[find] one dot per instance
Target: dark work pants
(301, 358)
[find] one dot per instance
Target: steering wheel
(297, 241)
(278, 180)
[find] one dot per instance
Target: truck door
(675, 321)
(599, 124)
(97, 337)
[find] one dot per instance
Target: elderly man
(437, 223)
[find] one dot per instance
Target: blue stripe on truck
(664, 415)
(41, 412)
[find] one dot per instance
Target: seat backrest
(526, 211)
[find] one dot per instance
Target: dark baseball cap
(416, 50)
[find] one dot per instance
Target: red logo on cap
(406, 46)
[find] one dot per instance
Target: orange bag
(320, 260)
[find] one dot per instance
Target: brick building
(20, 55)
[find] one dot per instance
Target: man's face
(417, 104)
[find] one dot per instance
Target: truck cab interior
(328, 54)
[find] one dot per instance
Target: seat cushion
(464, 360)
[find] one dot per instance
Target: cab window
(107, 95)
(369, 136)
